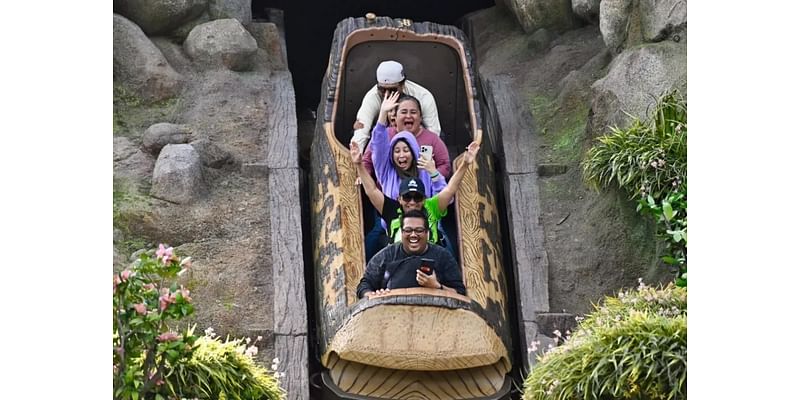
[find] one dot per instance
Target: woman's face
(408, 117)
(401, 155)
(392, 115)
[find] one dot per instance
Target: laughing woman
(399, 158)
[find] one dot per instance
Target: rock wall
(203, 108)
(556, 88)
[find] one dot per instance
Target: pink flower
(125, 275)
(167, 337)
(140, 308)
(185, 294)
(164, 253)
(166, 299)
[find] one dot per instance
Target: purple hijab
(384, 166)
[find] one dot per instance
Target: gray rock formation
(555, 15)
(139, 64)
(614, 17)
(182, 31)
(157, 17)
(237, 9)
(268, 38)
(626, 23)
(161, 134)
(662, 19)
(130, 162)
(178, 174)
(589, 10)
(211, 155)
(221, 43)
(635, 79)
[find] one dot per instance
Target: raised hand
(389, 102)
(355, 153)
(472, 151)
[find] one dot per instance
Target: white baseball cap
(390, 72)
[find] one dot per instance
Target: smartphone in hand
(426, 152)
(427, 265)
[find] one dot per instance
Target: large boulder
(588, 10)
(662, 19)
(237, 9)
(627, 23)
(178, 174)
(139, 64)
(161, 134)
(555, 15)
(636, 78)
(130, 162)
(180, 33)
(614, 17)
(157, 17)
(221, 43)
(268, 37)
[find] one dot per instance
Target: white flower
(209, 332)
(251, 351)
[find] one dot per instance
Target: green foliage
(223, 370)
(648, 161)
(153, 361)
(146, 299)
(633, 347)
(670, 216)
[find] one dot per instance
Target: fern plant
(648, 160)
(633, 347)
(223, 370)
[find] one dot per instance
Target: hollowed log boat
(416, 343)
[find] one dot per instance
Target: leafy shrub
(633, 347)
(153, 361)
(224, 370)
(648, 161)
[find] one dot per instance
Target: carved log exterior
(414, 329)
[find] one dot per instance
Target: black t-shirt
(393, 258)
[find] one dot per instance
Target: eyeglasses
(418, 231)
(413, 196)
(383, 89)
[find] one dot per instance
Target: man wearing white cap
(391, 78)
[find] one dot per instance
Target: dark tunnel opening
(309, 30)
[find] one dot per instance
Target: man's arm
(449, 192)
(373, 274)
(366, 114)
(451, 274)
(373, 193)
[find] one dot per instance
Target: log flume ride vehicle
(415, 343)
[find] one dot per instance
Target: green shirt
(392, 214)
